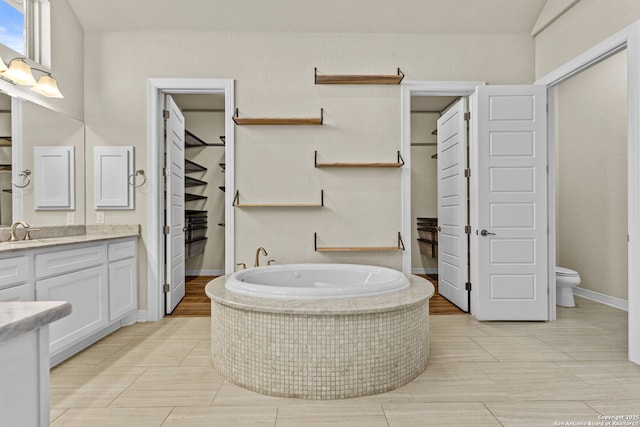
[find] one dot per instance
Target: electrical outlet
(71, 218)
(99, 217)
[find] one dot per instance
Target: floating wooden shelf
(397, 164)
(357, 79)
(237, 203)
(399, 247)
(277, 120)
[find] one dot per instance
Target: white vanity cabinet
(99, 278)
(86, 290)
(15, 282)
(123, 278)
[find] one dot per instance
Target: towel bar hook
(132, 178)
(26, 175)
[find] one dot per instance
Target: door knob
(486, 233)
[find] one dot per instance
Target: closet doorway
(439, 153)
(203, 205)
(195, 95)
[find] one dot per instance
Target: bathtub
(316, 281)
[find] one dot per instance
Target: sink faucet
(264, 252)
(14, 227)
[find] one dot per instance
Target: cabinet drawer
(18, 293)
(54, 263)
(13, 270)
(122, 250)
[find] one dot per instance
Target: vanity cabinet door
(87, 291)
(123, 288)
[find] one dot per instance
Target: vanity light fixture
(48, 87)
(20, 73)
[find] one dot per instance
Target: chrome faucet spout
(264, 252)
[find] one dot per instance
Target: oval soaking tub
(317, 281)
(326, 347)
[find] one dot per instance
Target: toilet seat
(567, 272)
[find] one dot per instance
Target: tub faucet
(264, 252)
(14, 227)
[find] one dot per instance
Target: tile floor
(480, 374)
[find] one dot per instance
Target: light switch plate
(99, 217)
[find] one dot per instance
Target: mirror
(42, 127)
(6, 204)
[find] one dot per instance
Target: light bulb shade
(48, 87)
(3, 66)
(20, 72)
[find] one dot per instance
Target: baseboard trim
(204, 272)
(614, 302)
(143, 316)
(433, 270)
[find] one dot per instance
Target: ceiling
(312, 16)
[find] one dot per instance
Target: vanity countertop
(92, 234)
(20, 317)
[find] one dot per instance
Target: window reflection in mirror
(12, 25)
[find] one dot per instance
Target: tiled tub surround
(321, 349)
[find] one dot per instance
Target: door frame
(628, 38)
(420, 88)
(156, 88)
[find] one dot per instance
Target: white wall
(582, 26)
(274, 77)
(591, 176)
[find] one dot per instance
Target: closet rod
(426, 112)
(424, 144)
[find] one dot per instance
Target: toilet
(566, 280)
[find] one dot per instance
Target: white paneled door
(174, 205)
(452, 205)
(509, 204)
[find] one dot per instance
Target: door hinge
(467, 115)
(165, 171)
(467, 229)
(165, 114)
(467, 173)
(166, 287)
(467, 286)
(166, 229)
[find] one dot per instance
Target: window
(12, 22)
(24, 29)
